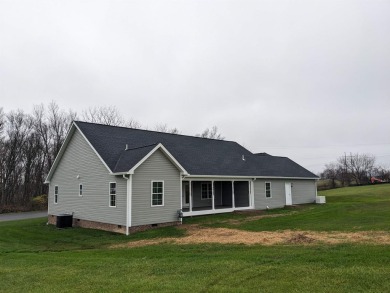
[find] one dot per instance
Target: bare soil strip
(198, 235)
(254, 218)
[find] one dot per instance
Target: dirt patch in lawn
(198, 235)
(254, 218)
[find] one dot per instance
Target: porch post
(190, 190)
(249, 194)
(212, 194)
(233, 203)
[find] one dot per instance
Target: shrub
(39, 202)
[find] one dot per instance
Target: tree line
(29, 143)
(354, 169)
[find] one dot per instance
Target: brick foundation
(52, 219)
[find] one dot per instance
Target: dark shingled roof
(199, 156)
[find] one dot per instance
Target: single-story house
(123, 179)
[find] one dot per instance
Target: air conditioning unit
(320, 199)
(64, 221)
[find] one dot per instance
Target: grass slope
(39, 258)
(348, 209)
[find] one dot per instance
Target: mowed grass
(362, 208)
(35, 257)
(35, 236)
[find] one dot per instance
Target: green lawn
(39, 258)
(348, 209)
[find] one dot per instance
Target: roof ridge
(139, 129)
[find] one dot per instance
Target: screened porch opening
(214, 196)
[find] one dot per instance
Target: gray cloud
(304, 79)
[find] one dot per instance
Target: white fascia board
(60, 153)
(97, 154)
(166, 152)
(248, 177)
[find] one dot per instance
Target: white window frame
(110, 194)
(56, 194)
(270, 189)
(209, 190)
(81, 189)
(151, 192)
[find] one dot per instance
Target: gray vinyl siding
(277, 199)
(303, 191)
(80, 160)
(156, 168)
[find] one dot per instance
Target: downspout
(181, 195)
(130, 198)
(128, 179)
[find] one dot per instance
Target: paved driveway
(22, 216)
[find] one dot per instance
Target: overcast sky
(305, 79)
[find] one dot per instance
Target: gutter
(247, 177)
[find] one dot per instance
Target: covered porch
(203, 196)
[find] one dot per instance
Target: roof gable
(131, 159)
(72, 129)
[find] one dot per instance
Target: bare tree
(211, 133)
(71, 116)
(108, 116)
(17, 131)
(2, 121)
(343, 170)
(104, 115)
(164, 128)
(58, 123)
(360, 166)
(381, 172)
(331, 172)
(132, 123)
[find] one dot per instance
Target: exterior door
(288, 193)
(186, 194)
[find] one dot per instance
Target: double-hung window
(80, 190)
(56, 194)
(157, 193)
(112, 194)
(206, 190)
(268, 189)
